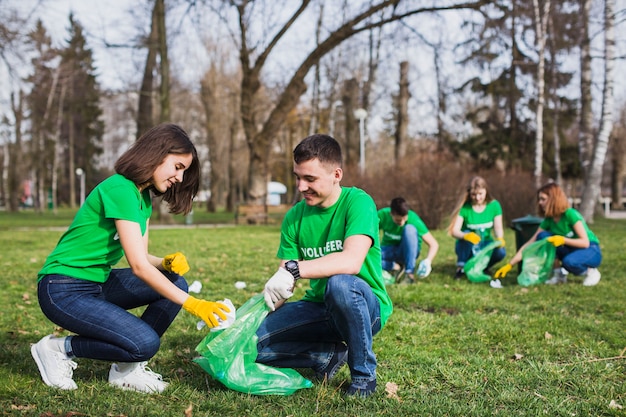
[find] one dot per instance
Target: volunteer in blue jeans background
(477, 219)
(330, 239)
(402, 234)
(79, 290)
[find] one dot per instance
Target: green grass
(452, 348)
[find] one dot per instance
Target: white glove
(424, 269)
(279, 287)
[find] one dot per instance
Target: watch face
(291, 265)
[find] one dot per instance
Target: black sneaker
(336, 362)
(459, 273)
(409, 278)
(361, 391)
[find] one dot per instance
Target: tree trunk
(350, 141)
(593, 181)
(585, 134)
(145, 111)
(618, 172)
(540, 25)
(402, 110)
(15, 175)
(164, 95)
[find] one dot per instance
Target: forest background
(421, 94)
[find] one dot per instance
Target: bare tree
(260, 139)
(593, 179)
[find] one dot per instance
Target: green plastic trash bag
(476, 265)
(229, 356)
(537, 262)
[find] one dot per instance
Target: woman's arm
(498, 229)
(456, 228)
(144, 265)
(582, 241)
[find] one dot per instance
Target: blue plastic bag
(229, 356)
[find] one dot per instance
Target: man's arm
(348, 261)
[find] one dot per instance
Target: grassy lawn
(450, 348)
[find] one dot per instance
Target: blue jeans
(97, 314)
(465, 251)
(405, 253)
(303, 334)
(576, 260)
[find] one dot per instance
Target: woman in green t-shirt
(80, 291)
(577, 247)
(477, 217)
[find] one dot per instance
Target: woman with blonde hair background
(577, 247)
(477, 219)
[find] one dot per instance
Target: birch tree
(541, 23)
(593, 178)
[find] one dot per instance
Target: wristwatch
(294, 269)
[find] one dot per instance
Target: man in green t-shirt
(402, 234)
(331, 239)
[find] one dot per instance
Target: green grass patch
(452, 348)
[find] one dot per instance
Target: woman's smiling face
(170, 171)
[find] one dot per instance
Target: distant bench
(260, 214)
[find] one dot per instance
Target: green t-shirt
(565, 225)
(392, 233)
(480, 223)
(310, 232)
(91, 245)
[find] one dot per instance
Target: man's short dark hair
(323, 147)
(399, 206)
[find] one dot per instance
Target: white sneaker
(559, 276)
(592, 277)
(136, 377)
(55, 368)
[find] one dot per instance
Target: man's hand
(176, 263)
(424, 269)
(472, 237)
(556, 240)
(501, 273)
(278, 287)
(206, 310)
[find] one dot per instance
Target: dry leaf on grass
(392, 390)
(189, 411)
(615, 405)
(517, 356)
(547, 335)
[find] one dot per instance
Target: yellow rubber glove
(206, 310)
(471, 237)
(501, 240)
(176, 263)
(556, 240)
(501, 273)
